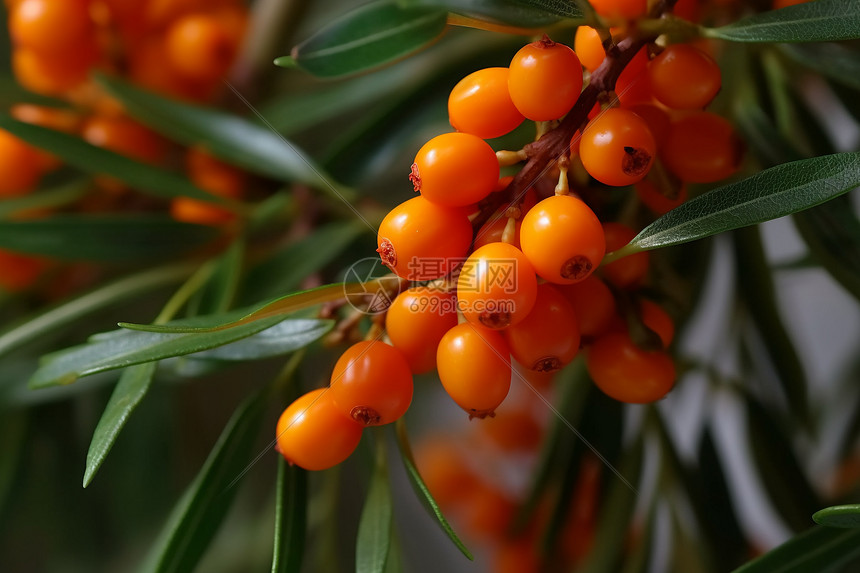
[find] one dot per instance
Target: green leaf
(105, 238)
(98, 161)
(421, 490)
(257, 148)
(838, 62)
(839, 516)
(33, 327)
(290, 518)
(130, 390)
(59, 196)
(521, 14)
(561, 8)
(817, 549)
(773, 193)
(375, 34)
(12, 93)
(374, 527)
(122, 348)
(198, 514)
(820, 21)
(218, 294)
(13, 438)
(288, 336)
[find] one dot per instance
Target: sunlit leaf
(374, 527)
(372, 35)
(839, 516)
(819, 21)
(290, 518)
(108, 238)
(818, 549)
(277, 340)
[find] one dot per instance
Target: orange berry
(627, 373)
(629, 271)
(656, 201)
(497, 286)
(126, 137)
(563, 239)
(634, 85)
(149, 68)
(658, 320)
(589, 48)
(18, 271)
(474, 368)
(593, 305)
(702, 148)
(422, 241)
(683, 77)
(445, 470)
(19, 166)
(54, 74)
(548, 338)
(200, 46)
(416, 321)
(493, 230)
(313, 434)
(545, 80)
(620, 9)
(188, 210)
(213, 175)
(372, 384)
(50, 26)
(455, 170)
(513, 429)
(517, 556)
(657, 120)
(481, 105)
(488, 513)
(617, 148)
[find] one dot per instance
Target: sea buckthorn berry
(474, 367)
(656, 201)
(372, 384)
(481, 105)
(200, 46)
(148, 67)
(213, 175)
(683, 77)
(313, 434)
(50, 26)
(589, 48)
(658, 320)
(188, 210)
(126, 137)
(489, 513)
(497, 286)
(548, 338)
(513, 429)
(18, 271)
(455, 170)
(545, 80)
(563, 239)
(629, 271)
(421, 241)
(687, 9)
(627, 373)
(54, 74)
(621, 9)
(416, 321)
(493, 230)
(617, 148)
(593, 305)
(19, 166)
(634, 85)
(702, 148)
(445, 470)
(658, 120)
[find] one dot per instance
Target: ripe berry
(545, 80)
(421, 241)
(125, 136)
(493, 230)
(617, 148)
(313, 434)
(372, 384)
(683, 77)
(548, 338)
(629, 271)
(455, 170)
(50, 26)
(656, 201)
(593, 305)
(416, 321)
(655, 318)
(200, 46)
(563, 239)
(19, 166)
(627, 373)
(702, 148)
(621, 9)
(657, 120)
(54, 74)
(474, 367)
(497, 286)
(481, 105)
(589, 48)
(634, 85)
(446, 471)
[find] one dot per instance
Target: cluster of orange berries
(180, 48)
(525, 286)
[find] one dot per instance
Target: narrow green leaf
(98, 161)
(755, 283)
(234, 139)
(505, 12)
(846, 516)
(198, 514)
(817, 549)
(374, 527)
(288, 336)
(369, 36)
(421, 490)
(12, 93)
(820, 21)
(59, 196)
(561, 8)
(218, 294)
(773, 193)
(130, 390)
(119, 349)
(290, 518)
(105, 238)
(839, 62)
